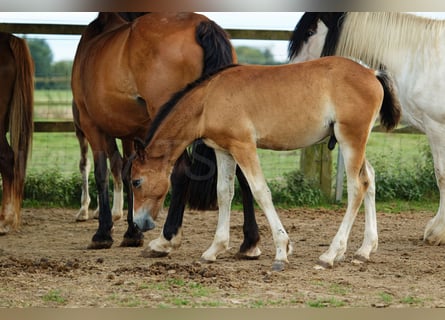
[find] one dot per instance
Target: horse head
(150, 182)
(315, 35)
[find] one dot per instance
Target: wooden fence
(316, 162)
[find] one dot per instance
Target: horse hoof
(322, 265)
(202, 260)
(96, 245)
(243, 256)
(153, 254)
(132, 242)
(359, 259)
(278, 265)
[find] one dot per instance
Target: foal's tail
(218, 52)
(21, 123)
(390, 111)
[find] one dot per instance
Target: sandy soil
(46, 263)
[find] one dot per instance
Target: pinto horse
(16, 116)
(274, 107)
(411, 48)
(122, 73)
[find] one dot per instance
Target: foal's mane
(371, 36)
(168, 107)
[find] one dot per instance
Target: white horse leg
(370, 240)
(118, 195)
(435, 229)
(356, 188)
(225, 191)
(249, 163)
(118, 198)
(84, 166)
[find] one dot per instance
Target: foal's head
(150, 180)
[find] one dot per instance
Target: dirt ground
(47, 264)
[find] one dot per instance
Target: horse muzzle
(144, 221)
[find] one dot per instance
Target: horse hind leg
(370, 240)
(118, 188)
(357, 184)
(10, 210)
(435, 229)
(84, 168)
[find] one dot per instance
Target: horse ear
(139, 147)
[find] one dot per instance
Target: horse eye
(136, 183)
(310, 33)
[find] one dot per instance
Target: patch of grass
(411, 300)
(324, 303)
(338, 289)
(54, 296)
(386, 297)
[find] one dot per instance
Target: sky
(64, 46)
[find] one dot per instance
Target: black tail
(390, 111)
(218, 52)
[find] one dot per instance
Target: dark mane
(300, 33)
(308, 22)
(165, 110)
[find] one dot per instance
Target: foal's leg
(357, 183)
(225, 191)
(435, 229)
(247, 159)
(171, 234)
(370, 240)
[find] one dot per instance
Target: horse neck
(179, 129)
(389, 38)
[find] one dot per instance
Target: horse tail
(218, 52)
(21, 125)
(390, 112)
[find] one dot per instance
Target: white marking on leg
(370, 240)
(435, 228)
(85, 199)
(225, 190)
(162, 245)
(263, 197)
(339, 244)
(118, 199)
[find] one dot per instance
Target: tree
(43, 57)
(61, 74)
(249, 55)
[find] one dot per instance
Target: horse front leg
(133, 237)
(171, 234)
(84, 168)
(225, 191)
(249, 248)
(102, 239)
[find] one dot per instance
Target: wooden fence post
(316, 165)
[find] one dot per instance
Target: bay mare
(275, 107)
(122, 73)
(16, 117)
(411, 48)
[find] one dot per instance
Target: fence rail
(68, 126)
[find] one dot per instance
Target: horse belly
(290, 135)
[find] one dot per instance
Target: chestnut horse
(273, 107)
(122, 73)
(412, 49)
(16, 116)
